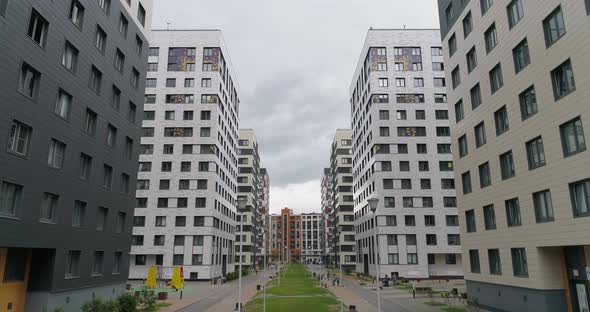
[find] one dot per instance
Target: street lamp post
(373, 206)
(241, 209)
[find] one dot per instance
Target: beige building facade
(518, 80)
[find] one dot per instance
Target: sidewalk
(348, 297)
(248, 292)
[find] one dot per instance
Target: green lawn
(297, 281)
(320, 304)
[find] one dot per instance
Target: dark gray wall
(32, 171)
(503, 298)
(458, 7)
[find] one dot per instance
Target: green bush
(97, 305)
(127, 302)
(147, 301)
(234, 275)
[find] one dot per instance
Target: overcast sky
(294, 61)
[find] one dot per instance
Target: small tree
(97, 305)
(127, 302)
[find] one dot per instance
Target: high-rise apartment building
(342, 202)
(249, 222)
(264, 208)
(295, 238)
(311, 232)
(285, 236)
(327, 217)
(70, 102)
(520, 91)
(188, 165)
(401, 150)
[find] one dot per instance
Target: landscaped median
(298, 291)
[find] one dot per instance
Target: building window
(439, 83)
(420, 114)
(107, 178)
(70, 57)
(111, 137)
(496, 79)
(56, 156)
(471, 59)
(105, 5)
(63, 104)
(19, 138)
(400, 82)
(441, 131)
(494, 261)
(102, 218)
(513, 212)
(383, 82)
(466, 182)
(475, 95)
(134, 78)
(521, 56)
(78, 214)
(141, 15)
(467, 24)
(116, 98)
(485, 5)
(501, 118)
(480, 134)
(485, 178)
(76, 13)
(412, 258)
(489, 216)
(438, 66)
(418, 82)
(543, 206)
(97, 263)
(436, 51)
(507, 165)
(528, 103)
(456, 77)
(449, 14)
(29, 81)
(519, 263)
(515, 13)
(10, 198)
(393, 258)
(119, 61)
(188, 82)
(49, 206)
(454, 239)
(38, 26)
(563, 80)
(431, 240)
(491, 38)
(535, 153)
(95, 80)
(587, 7)
(123, 25)
(470, 221)
(73, 264)
(580, 194)
(572, 137)
(452, 45)
(100, 40)
(474, 261)
(140, 260)
(383, 115)
(452, 220)
(463, 149)
(138, 45)
(85, 166)
(554, 27)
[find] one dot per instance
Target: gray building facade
(72, 79)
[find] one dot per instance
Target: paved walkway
(202, 296)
